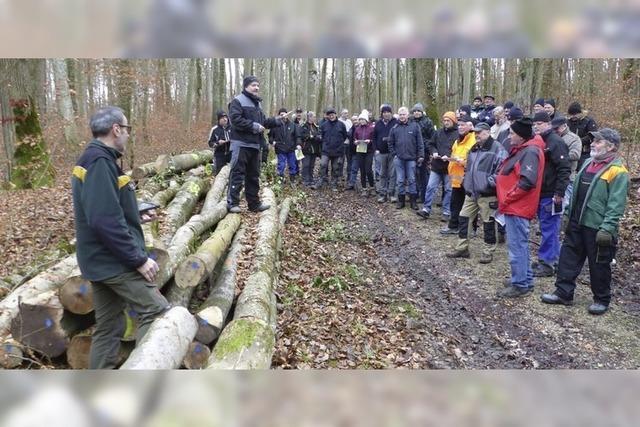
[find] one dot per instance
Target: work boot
(514, 292)
(543, 269)
(364, 192)
(445, 217)
(393, 199)
(458, 253)
(234, 209)
(555, 299)
(423, 214)
(401, 200)
(597, 308)
(260, 208)
(413, 202)
(448, 230)
(485, 258)
(382, 198)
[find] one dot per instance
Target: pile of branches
(197, 244)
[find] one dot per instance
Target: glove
(604, 238)
(420, 160)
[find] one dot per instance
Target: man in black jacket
(311, 147)
(333, 133)
(248, 124)
(219, 141)
(286, 138)
(110, 245)
(426, 127)
(582, 125)
(555, 179)
(387, 183)
(407, 148)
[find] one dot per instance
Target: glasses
(129, 128)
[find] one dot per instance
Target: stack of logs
(51, 315)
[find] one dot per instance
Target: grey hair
(403, 109)
(103, 119)
(498, 110)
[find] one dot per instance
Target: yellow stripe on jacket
(460, 151)
(613, 171)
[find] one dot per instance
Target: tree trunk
(183, 204)
(166, 343)
(182, 162)
(322, 86)
(199, 266)
(8, 129)
(46, 281)
(214, 310)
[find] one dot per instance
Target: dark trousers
(580, 244)
(221, 160)
(336, 167)
(365, 161)
(245, 170)
(457, 200)
(110, 298)
(264, 151)
(308, 163)
(350, 156)
(422, 178)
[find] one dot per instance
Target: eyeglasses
(129, 128)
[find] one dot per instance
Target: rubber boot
(401, 200)
(413, 201)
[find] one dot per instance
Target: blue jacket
(333, 135)
(381, 135)
(405, 141)
(108, 232)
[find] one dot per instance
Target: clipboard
(299, 155)
(361, 147)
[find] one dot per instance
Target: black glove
(604, 238)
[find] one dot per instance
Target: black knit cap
(221, 114)
(523, 128)
(540, 102)
(574, 108)
(551, 102)
(466, 108)
(478, 98)
(282, 110)
(248, 80)
(541, 116)
(386, 108)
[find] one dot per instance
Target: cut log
(76, 295)
(46, 327)
(147, 169)
(180, 245)
(199, 266)
(183, 162)
(162, 198)
(244, 344)
(11, 354)
(285, 206)
(80, 346)
(214, 310)
(48, 280)
(197, 356)
(217, 192)
(248, 341)
(183, 204)
(198, 171)
(166, 342)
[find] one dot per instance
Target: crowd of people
(491, 163)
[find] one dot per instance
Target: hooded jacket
(427, 130)
(581, 126)
(557, 169)
(107, 222)
(482, 166)
(246, 116)
(441, 143)
(286, 137)
(311, 139)
(519, 179)
(217, 134)
(405, 141)
(381, 134)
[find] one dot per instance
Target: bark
(46, 327)
(166, 343)
(217, 192)
(213, 312)
(48, 280)
(197, 356)
(248, 341)
(199, 266)
(11, 354)
(80, 346)
(182, 162)
(162, 198)
(65, 105)
(147, 169)
(183, 204)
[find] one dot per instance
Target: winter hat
(385, 107)
(418, 107)
(490, 96)
(481, 126)
(515, 113)
(540, 102)
(479, 98)
(364, 115)
(282, 110)
(221, 114)
(609, 134)
(551, 102)
(330, 110)
(466, 108)
(558, 121)
(523, 128)
(507, 105)
(541, 116)
(248, 80)
(574, 108)
(451, 116)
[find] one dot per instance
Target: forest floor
(364, 285)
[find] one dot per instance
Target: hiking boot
(350, 187)
(234, 209)
(445, 218)
(423, 214)
(401, 200)
(485, 258)
(597, 308)
(457, 253)
(514, 292)
(543, 270)
(260, 208)
(412, 202)
(382, 199)
(334, 188)
(448, 230)
(555, 299)
(393, 199)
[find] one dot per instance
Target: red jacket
(519, 179)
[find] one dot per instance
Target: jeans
(435, 180)
(568, 193)
(352, 170)
(387, 184)
(549, 250)
(288, 159)
(518, 248)
(405, 170)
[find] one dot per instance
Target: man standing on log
(110, 244)
(248, 124)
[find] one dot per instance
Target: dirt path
(364, 285)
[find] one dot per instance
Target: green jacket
(606, 197)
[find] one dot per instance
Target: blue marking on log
(195, 266)
(48, 323)
(84, 289)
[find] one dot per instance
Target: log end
(76, 295)
(207, 332)
(191, 273)
(11, 355)
(38, 327)
(197, 356)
